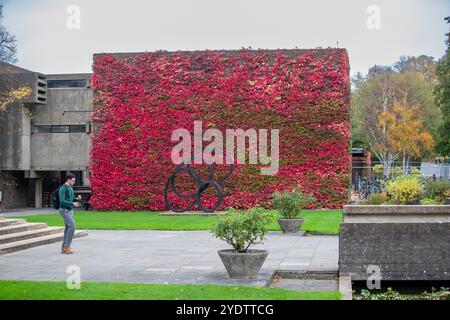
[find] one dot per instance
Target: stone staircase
(17, 234)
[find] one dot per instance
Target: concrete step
(22, 227)
(10, 222)
(38, 241)
(18, 236)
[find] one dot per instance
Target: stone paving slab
(308, 285)
(164, 257)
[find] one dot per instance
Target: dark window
(73, 128)
(60, 129)
(42, 129)
(76, 83)
(79, 128)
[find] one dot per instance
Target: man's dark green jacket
(66, 197)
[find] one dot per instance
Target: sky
(60, 36)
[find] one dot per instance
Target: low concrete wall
(405, 242)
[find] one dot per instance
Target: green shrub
(396, 171)
(428, 201)
(291, 203)
(388, 295)
(377, 169)
(416, 170)
(405, 189)
(437, 189)
(241, 229)
(378, 198)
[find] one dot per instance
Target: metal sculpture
(202, 185)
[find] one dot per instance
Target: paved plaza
(165, 257)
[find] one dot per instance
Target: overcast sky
(46, 43)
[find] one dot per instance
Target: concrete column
(38, 193)
(86, 181)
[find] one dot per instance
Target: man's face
(71, 181)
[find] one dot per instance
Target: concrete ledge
(345, 288)
(397, 209)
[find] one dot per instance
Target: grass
(316, 221)
(45, 290)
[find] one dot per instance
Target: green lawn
(316, 221)
(40, 290)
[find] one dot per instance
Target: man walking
(67, 201)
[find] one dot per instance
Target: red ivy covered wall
(141, 98)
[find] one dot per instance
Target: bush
(243, 229)
(378, 198)
(428, 201)
(416, 170)
(405, 189)
(396, 171)
(437, 189)
(290, 203)
(388, 295)
(378, 169)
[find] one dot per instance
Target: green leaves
(290, 203)
(241, 229)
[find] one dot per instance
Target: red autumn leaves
(140, 99)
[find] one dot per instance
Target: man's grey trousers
(69, 223)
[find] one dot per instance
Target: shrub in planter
(290, 204)
(242, 229)
(405, 190)
(437, 189)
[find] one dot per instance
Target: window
(60, 129)
(75, 83)
(81, 128)
(42, 129)
(73, 128)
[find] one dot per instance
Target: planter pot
(243, 265)
(290, 225)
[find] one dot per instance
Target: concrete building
(43, 137)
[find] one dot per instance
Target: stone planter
(290, 225)
(398, 242)
(243, 265)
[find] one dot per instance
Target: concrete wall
(15, 137)
(404, 242)
(17, 192)
(62, 151)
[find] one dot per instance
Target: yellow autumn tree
(12, 95)
(406, 132)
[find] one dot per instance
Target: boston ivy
(141, 98)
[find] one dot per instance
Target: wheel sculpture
(202, 185)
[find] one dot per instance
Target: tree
(8, 46)
(8, 92)
(422, 64)
(8, 50)
(442, 94)
(406, 132)
(368, 102)
(408, 82)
